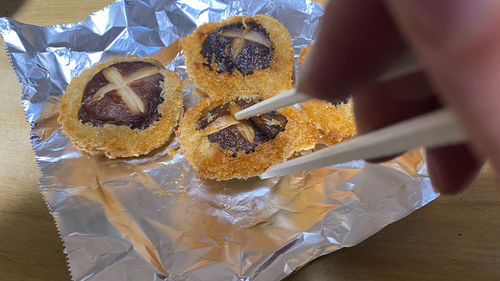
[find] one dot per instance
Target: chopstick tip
(265, 176)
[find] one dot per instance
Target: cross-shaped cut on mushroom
(243, 126)
(220, 127)
(242, 36)
(120, 84)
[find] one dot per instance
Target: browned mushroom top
(244, 46)
(221, 127)
(125, 93)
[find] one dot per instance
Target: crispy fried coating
(268, 81)
(322, 2)
(212, 161)
(303, 54)
(120, 140)
(334, 122)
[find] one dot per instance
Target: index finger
(357, 41)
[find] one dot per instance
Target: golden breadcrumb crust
(335, 123)
(213, 162)
(303, 54)
(322, 2)
(269, 81)
(120, 141)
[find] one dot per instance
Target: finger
(457, 42)
(452, 168)
(387, 103)
(357, 40)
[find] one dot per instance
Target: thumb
(458, 43)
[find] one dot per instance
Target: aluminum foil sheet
(152, 218)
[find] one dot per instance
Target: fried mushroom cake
(121, 108)
(303, 55)
(240, 55)
(220, 147)
(335, 122)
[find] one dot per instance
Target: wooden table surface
(452, 238)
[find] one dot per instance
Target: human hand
(458, 45)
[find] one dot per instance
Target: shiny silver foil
(152, 218)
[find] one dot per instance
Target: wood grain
(453, 238)
(30, 248)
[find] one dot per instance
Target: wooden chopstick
(407, 65)
(287, 98)
(433, 129)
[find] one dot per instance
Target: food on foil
(152, 218)
(220, 147)
(240, 55)
(335, 122)
(122, 108)
(303, 55)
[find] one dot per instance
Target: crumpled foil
(152, 218)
